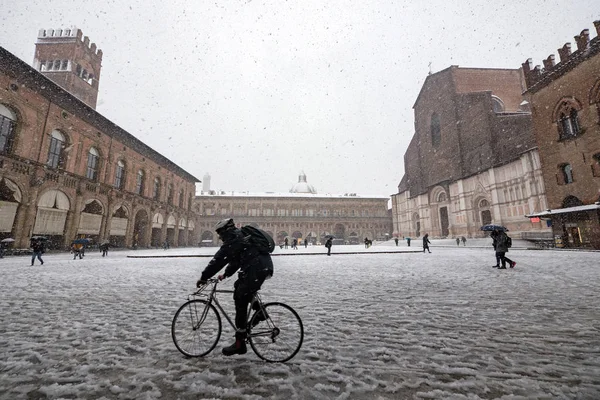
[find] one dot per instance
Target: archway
(171, 230)
(51, 217)
(157, 225)
(140, 229)
(10, 198)
(118, 226)
(90, 220)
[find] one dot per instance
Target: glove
(221, 277)
(201, 282)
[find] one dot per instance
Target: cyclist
(254, 267)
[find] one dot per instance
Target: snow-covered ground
(377, 326)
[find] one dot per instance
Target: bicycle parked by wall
(274, 331)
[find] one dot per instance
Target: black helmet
(224, 224)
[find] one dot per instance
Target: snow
(377, 326)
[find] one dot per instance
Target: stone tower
(70, 61)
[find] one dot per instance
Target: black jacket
(238, 254)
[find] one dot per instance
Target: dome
(302, 186)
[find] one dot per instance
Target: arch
(157, 220)
(191, 224)
(10, 197)
(438, 195)
(497, 104)
(171, 222)
(9, 191)
(120, 211)
(281, 235)
(565, 115)
(51, 215)
(297, 235)
(340, 231)
(140, 228)
(182, 223)
(93, 206)
(571, 201)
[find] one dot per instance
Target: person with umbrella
(104, 247)
(501, 243)
(37, 245)
(4, 243)
(328, 244)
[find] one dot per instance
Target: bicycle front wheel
(278, 336)
(196, 328)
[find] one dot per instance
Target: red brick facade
(565, 101)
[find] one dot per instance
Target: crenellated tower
(538, 77)
(66, 57)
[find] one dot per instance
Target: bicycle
(274, 331)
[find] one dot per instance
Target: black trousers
(503, 258)
(244, 289)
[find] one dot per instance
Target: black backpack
(508, 241)
(259, 238)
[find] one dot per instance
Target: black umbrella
(493, 227)
(39, 238)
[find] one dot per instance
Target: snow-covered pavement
(377, 326)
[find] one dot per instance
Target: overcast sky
(253, 92)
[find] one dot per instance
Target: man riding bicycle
(254, 267)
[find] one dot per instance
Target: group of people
(501, 243)
(295, 243)
(461, 239)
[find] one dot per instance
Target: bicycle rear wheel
(278, 337)
(196, 328)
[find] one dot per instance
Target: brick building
(66, 171)
(300, 214)
(565, 101)
(473, 158)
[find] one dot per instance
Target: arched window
(8, 123)
(92, 164)
(55, 152)
(139, 183)
(566, 118)
(566, 174)
(181, 195)
(442, 198)
(497, 104)
(120, 175)
(170, 193)
(156, 190)
(436, 134)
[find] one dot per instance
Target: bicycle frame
(212, 299)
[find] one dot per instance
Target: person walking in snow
(38, 249)
(426, 243)
(501, 246)
(328, 244)
(457, 241)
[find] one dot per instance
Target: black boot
(239, 347)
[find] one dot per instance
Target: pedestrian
(328, 244)
(408, 241)
(285, 243)
(464, 240)
(295, 244)
(426, 243)
(305, 243)
(457, 241)
(501, 247)
(77, 249)
(254, 264)
(37, 246)
(366, 243)
(2, 250)
(104, 247)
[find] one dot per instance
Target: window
(497, 104)
(156, 189)
(567, 119)
(170, 193)
(442, 198)
(92, 164)
(8, 123)
(596, 165)
(181, 196)
(57, 142)
(120, 175)
(436, 134)
(139, 183)
(566, 174)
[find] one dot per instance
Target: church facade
(300, 214)
(472, 160)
